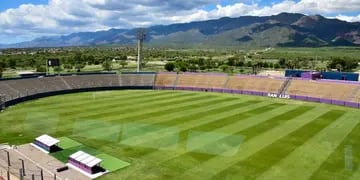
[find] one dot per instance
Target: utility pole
(141, 36)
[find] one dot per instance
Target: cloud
(60, 17)
(349, 18)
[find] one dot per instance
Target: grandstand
(321, 89)
(332, 92)
(164, 80)
(134, 80)
(91, 81)
(211, 81)
(255, 83)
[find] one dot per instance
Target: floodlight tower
(141, 36)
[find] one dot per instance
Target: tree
(224, 67)
(90, 59)
(170, 66)
(321, 66)
(277, 66)
(123, 63)
(78, 61)
(58, 69)
(339, 67)
(12, 63)
(2, 68)
(231, 61)
(346, 63)
(282, 62)
(183, 66)
(107, 65)
(40, 68)
(193, 67)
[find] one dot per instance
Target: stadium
(181, 126)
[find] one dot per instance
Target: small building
(346, 76)
(86, 162)
(47, 143)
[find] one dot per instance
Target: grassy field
(194, 135)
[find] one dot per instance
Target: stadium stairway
(284, 87)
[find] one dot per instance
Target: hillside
(285, 29)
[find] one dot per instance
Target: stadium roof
(47, 140)
(86, 159)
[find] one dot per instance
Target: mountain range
(285, 29)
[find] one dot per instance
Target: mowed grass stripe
(114, 105)
(314, 152)
(169, 109)
(127, 113)
(134, 113)
(356, 174)
(259, 162)
(237, 117)
(238, 127)
(185, 128)
(61, 106)
(173, 118)
(212, 109)
(203, 157)
(65, 113)
(335, 166)
(69, 118)
(66, 118)
(81, 96)
(210, 118)
(152, 151)
(251, 147)
(164, 128)
(251, 132)
(270, 113)
(56, 102)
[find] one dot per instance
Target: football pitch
(196, 135)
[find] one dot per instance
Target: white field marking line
(52, 174)
(308, 159)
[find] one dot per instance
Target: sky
(24, 20)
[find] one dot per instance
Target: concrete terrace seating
(8, 91)
(137, 79)
(53, 84)
(321, 89)
(166, 80)
(91, 81)
(27, 87)
(356, 97)
(215, 81)
(255, 83)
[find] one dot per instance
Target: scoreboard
(53, 62)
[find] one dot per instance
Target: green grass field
(196, 135)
